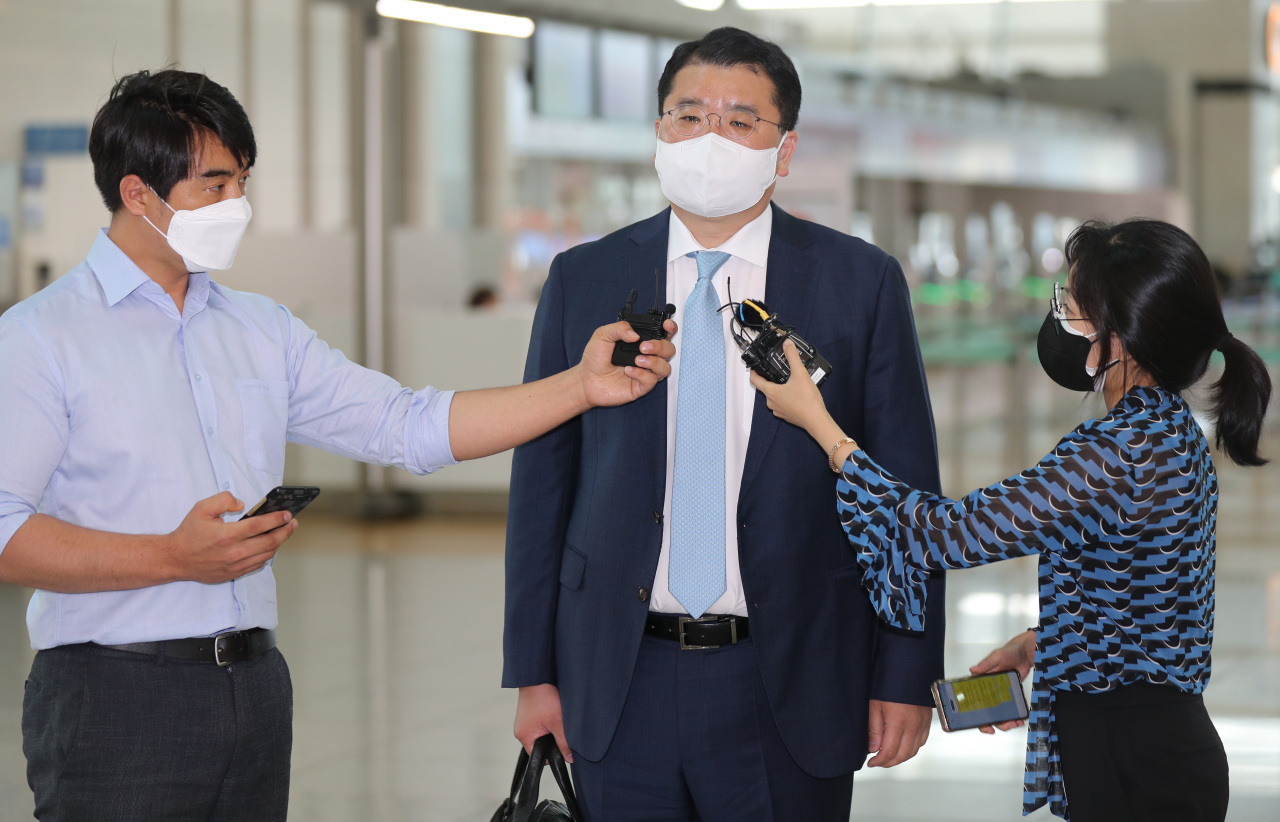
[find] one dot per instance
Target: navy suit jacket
(584, 529)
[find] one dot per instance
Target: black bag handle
(560, 770)
(528, 775)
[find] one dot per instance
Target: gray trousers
(112, 736)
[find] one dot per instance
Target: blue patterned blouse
(1122, 515)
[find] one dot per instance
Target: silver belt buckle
(684, 620)
(218, 645)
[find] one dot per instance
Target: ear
(787, 149)
(133, 193)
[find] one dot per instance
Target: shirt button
(657, 517)
(226, 486)
(209, 430)
(197, 378)
(643, 594)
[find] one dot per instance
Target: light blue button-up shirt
(119, 414)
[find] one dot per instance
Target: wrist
(580, 392)
(164, 551)
(839, 452)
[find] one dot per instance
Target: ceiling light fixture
(455, 18)
(777, 5)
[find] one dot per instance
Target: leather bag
(523, 804)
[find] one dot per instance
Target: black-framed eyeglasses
(736, 123)
(1060, 311)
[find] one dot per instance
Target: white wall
(58, 60)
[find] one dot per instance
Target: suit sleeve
(543, 482)
(899, 434)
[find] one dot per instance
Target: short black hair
(1150, 285)
(734, 47)
(154, 125)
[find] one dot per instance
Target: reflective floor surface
(393, 633)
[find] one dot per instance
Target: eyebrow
(689, 101)
(218, 172)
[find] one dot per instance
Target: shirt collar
(120, 276)
(750, 243)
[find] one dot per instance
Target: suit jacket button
(643, 594)
(657, 517)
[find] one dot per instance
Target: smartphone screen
(986, 699)
(292, 498)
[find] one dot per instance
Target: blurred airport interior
(406, 168)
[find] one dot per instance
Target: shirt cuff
(430, 450)
(9, 525)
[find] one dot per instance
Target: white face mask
(713, 176)
(208, 237)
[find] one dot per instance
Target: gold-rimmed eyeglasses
(736, 123)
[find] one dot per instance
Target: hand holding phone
(975, 701)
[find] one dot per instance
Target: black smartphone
(291, 498)
(985, 699)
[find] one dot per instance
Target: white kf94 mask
(713, 176)
(208, 237)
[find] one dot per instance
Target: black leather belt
(705, 632)
(224, 649)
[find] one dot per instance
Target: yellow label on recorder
(984, 692)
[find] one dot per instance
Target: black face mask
(1063, 355)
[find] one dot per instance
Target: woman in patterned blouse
(1122, 516)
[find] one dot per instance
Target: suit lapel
(789, 289)
(645, 420)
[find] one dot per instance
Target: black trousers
(1141, 753)
(115, 736)
(697, 742)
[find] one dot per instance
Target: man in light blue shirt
(141, 405)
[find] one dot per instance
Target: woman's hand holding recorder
(799, 402)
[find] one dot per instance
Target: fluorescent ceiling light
(762, 5)
(456, 18)
(704, 5)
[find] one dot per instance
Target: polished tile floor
(393, 633)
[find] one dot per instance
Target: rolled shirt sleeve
(347, 409)
(33, 424)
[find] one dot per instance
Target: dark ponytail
(1149, 284)
(1240, 399)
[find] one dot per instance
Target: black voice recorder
(647, 325)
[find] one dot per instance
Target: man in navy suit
(683, 610)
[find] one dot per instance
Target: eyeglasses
(736, 123)
(1060, 313)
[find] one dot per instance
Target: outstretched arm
(490, 420)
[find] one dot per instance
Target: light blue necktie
(696, 573)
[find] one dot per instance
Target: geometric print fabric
(696, 575)
(1123, 516)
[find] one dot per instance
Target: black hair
(734, 47)
(1151, 286)
(154, 125)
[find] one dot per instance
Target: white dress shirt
(749, 250)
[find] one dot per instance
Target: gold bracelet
(831, 455)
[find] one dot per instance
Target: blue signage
(57, 140)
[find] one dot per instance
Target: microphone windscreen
(753, 313)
